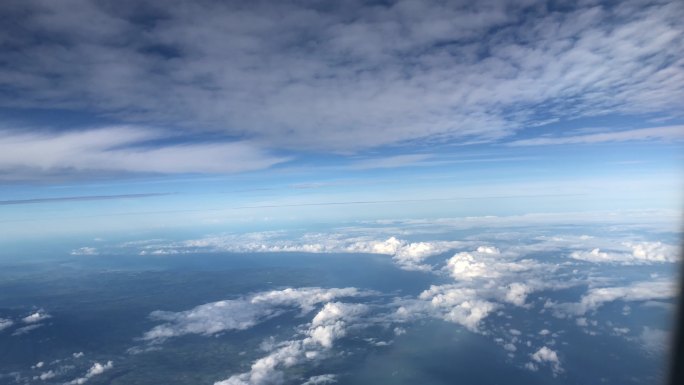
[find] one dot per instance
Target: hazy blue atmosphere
(353, 192)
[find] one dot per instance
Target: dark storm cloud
(346, 75)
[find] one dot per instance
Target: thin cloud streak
(666, 133)
(124, 149)
(80, 198)
(345, 203)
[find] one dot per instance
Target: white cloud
(488, 250)
(121, 149)
(407, 255)
(241, 313)
(85, 251)
(489, 263)
(634, 253)
(492, 279)
(510, 347)
(26, 329)
(595, 255)
(654, 251)
(36, 317)
(463, 266)
(639, 291)
(94, 370)
(665, 220)
(546, 355)
(321, 380)
(328, 325)
(517, 293)
(5, 323)
(45, 375)
(484, 278)
(266, 370)
(450, 303)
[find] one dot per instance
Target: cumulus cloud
(487, 263)
(94, 370)
(36, 317)
(545, 355)
(348, 76)
(266, 370)
(634, 253)
(450, 303)
(517, 293)
(407, 255)
(241, 313)
(654, 251)
(328, 325)
(485, 280)
(464, 266)
(484, 262)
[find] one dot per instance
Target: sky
(130, 116)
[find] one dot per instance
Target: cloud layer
(407, 255)
(345, 76)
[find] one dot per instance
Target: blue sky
(143, 116)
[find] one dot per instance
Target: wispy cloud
(121, 149)
(94, 370)
(5, 323)
(391, 161)
(666, 133)
(79, 198)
